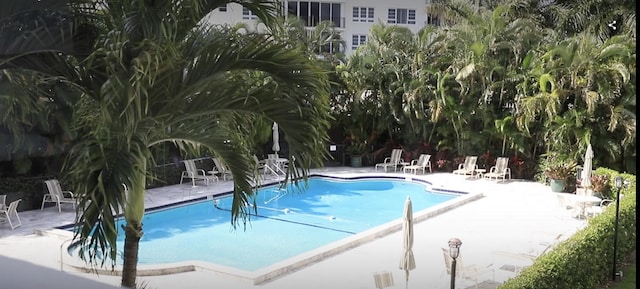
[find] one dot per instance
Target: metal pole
(614, 273)
(453, 273)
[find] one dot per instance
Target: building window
(357, 40)
(433, 20)
(248, 14)
(312, 13)
(292, 8)
(222, 8)
(401, 16)
(332, 48)
(363, 14)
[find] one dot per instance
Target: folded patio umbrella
(407, 262)
(585, 178)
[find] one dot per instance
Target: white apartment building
(353, 18)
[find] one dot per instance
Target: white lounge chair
(467, 272)
(422, 163)
(393, 161)
(221, 168)
(500, 171)
(469, 167)
(57, 195)
(193, 173)
(12, 210)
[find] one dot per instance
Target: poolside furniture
(467, 272)
(392, 161)
(562, 201)
(260, 164)
(595, 210)
(275, 165)
(583, 200)
(422, 163)
(500, 171)
(12, 210)
(383, 279)
(221, 168)
(193, 173)
(57, 195)
(533, 254)
(469, 167)
(283, 163)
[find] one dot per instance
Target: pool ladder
(280, 194)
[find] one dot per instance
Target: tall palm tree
(157, 75)
(578, 92)
(377, 70)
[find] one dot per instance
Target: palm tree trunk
(504, 143)
(133, 213)
(133, 233)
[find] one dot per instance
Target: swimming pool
(291, 228)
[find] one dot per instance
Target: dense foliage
(499, 83)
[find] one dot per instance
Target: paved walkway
(499, 231)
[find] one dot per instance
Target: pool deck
(512, 220)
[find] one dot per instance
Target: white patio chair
(383, 279)
(12, 210)
(193, 173)
(57, 195)
(500, 171)
(392, 161)
(221, 168)
(259, 165)
(595, 210)
(422, 163)
(466, 272)
(469, 167)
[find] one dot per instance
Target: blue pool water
(288, 222)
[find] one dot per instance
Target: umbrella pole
(407, 280)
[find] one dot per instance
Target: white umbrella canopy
(407, 262)
(585, 178)
(276, 138)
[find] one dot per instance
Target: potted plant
(600, 184)
(559, 174)
(356, 150)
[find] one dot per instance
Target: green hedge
(585, 260)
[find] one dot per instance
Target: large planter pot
(356, 161)
(558, 186)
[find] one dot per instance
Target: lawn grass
(628, 278)
(628, 281)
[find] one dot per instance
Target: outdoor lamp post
(618, 183)
(454, 252)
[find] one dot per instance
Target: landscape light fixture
(454, 252)
(614, 273)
